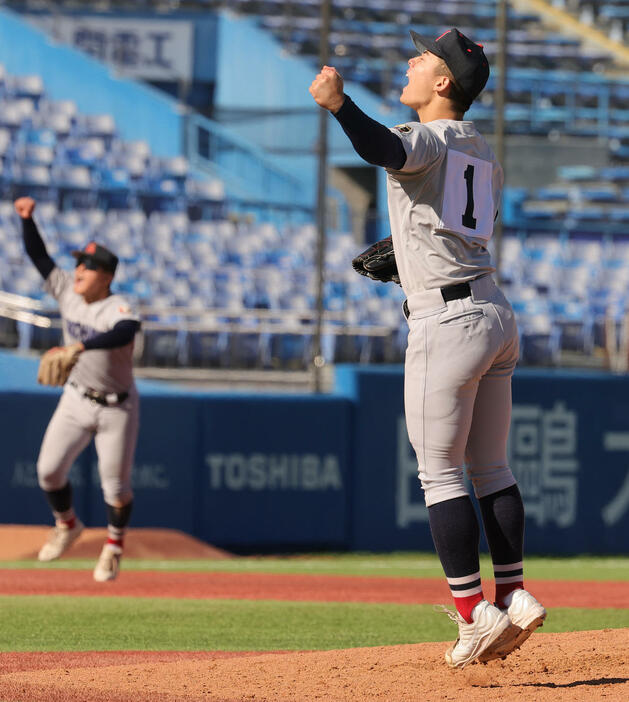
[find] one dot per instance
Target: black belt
(456, 292)
(450, 292)
(107, 399)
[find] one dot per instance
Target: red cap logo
(90, 248)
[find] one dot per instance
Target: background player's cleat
(489, 626)
(60, 540)
(108, 564)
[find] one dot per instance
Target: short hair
(458, 98)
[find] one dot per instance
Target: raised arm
(372, 141)
(33, 244)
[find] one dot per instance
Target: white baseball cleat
(60, 540)
(489, 626)
(108, 565)
(526, 614)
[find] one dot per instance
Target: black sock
(60, 500)
(119, 516)
(117, 520)
(503, 520)
(455, 533)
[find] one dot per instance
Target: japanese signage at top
(136, 48)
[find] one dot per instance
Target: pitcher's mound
(20, 542)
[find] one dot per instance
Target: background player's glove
(56, 364)
(378, 262)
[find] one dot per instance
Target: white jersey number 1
(468, 203)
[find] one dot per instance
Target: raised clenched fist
(24, 206)
(327, 89)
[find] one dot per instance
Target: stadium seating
(554, 81)
(563, 254)
(177, 248)
(611, 16)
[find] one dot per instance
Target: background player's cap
(95, 256)
(463, 57)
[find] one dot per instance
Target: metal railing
(247, 172)
(224, 326)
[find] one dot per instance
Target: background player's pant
(75, 421)
(457, 387)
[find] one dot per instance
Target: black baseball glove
(378, 262)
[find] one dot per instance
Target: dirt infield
(558, 667)
(21, 542)
(313, 588)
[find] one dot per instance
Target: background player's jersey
(442, 204)
(105, 370)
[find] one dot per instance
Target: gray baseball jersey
(104, 370)
(442, 204)
(461, 352)
(77, 418)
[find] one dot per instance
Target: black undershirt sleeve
(372, 141)
(35, 248)
(121, 335)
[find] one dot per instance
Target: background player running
(99, 399)
(444, 187)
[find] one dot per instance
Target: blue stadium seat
(208, 349)
(163, 348)
(75, 187)
(540, 340)
(575, 322)
(34, 180)
(38, 136)
(290, 351)
(116, 189)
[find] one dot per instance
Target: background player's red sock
(117, 520)
(68, 518)
(115, 535)
(60, 502)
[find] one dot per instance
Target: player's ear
(442, 83)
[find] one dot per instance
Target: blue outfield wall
(336, 471)
(569, 450)
(234, 471)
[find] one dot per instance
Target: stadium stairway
(560, 18)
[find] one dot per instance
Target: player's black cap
(465, 59)
(95, 256)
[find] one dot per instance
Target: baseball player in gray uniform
(444, 189)
(99, 399)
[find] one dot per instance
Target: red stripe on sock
(504, 589)
(70, 523)
(465, 605)
(114, 542)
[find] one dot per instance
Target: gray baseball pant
(75, 421)
(457, 387)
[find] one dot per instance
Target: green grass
(41, 623)
(413, 565)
